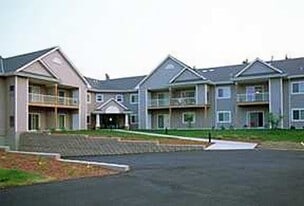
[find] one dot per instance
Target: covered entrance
(112, 114)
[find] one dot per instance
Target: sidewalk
(217, 144)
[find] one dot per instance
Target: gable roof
(259, 61)
(194, 76)
(12, 64)
(127, 83)
(162, 62)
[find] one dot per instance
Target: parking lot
(256, 177)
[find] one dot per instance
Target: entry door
(163, 121)
(62, 121)
(34, 122)
(256, 119)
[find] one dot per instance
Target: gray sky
(131, 37)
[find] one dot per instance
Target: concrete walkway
(217, 144)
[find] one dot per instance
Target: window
(88, 119)
(99, 97)
(223, 117)
(119, 97)
(298, 88)
(88, 98)
(223, 92)
(134, 118)
(188, 117)
(12, 88)
(298, 114)
(12, 121)
(133, 98)
(34, 121)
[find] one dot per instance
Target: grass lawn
(237, 134)
(13, 177)
(241, 134)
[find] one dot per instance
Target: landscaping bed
(48, 168)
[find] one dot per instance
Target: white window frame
(223, 87)
(132, 95)
(89, 96)
(133, 115)
(297, 109)
(298, 82)
(121, 97)
(218, 119)
(194, 117)
(99, 95)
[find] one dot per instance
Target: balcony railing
(52, 100)
(183, 101)
(251, 98)
(159, 102)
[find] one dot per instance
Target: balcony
(51, 101)
(159, 103)
(183, 101)
(253, 99)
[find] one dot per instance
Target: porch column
(126, 121)
(97, 126)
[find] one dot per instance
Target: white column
(97, 121)
(126, 121)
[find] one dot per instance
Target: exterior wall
(258, 68)
(156, 80)
(227, 104)
(276, 97)
(200, 94)
(243, 114)
(296, 101)
(68, 76)
(177, 119)
(3, 95)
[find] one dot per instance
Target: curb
(57, 156)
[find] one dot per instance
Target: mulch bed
(50, 167)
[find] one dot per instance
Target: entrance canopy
(112, 107)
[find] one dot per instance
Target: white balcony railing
(183, 101)
(159, 102)
(255, 97)
(52, 100)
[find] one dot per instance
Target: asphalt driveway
(185, 178)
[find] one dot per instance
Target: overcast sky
(129, 37)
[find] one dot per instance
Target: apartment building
(43, 90)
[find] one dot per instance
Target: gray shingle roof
(127, 83)
(11, 64)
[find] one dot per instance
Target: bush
(292, 127)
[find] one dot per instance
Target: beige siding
(38, 68)
(22, 108)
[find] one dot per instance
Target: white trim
(191, 113)
(39, 120)
(27, 106)
(146, 110)
(112, 99)
(121, 97)
(131, 95)
(38, 58)
(297, 109)
(99, 95)
(196, 94)
(48, 69)
(296, 82)
(257, 111)
(261, 61)
(223, 87)
(206, 96)
(16, 105)
(223, 122)
(269, 95)
(156, 68)
(80, 110)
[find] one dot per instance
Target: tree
(274, 120)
